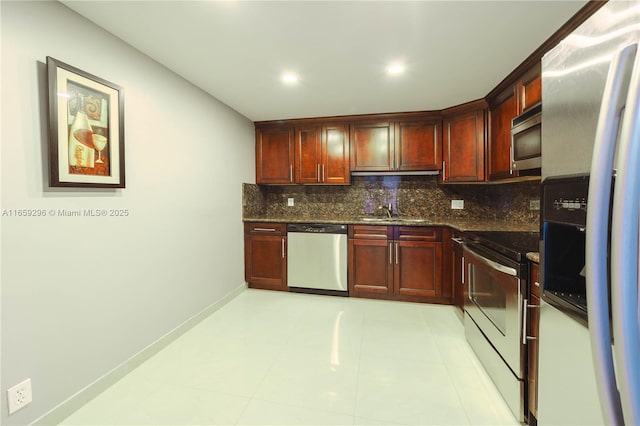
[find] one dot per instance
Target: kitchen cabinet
(533, 327)
(499, 156)
(306, 154)
(406, 145)
(372, 146)
(511, 102)
(529, 89)
(457, 273)
(322, 154)
(464, 143)
(274, 155)
(265, 255)
(397, 262)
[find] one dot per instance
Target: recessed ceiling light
(290, 78)
(395, 68)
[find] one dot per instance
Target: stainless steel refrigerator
(589, 371)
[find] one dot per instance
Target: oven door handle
(494, 265)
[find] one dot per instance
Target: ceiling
(454, 51)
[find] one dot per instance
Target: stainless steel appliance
(589, 361)
(526, 138)
(495, 308)
(317, 258)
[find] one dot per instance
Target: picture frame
(86, 129)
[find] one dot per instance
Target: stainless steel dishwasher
(317, 258)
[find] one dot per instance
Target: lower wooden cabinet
(265, 255)
(533, 334)
(397, 262)
(457, 272)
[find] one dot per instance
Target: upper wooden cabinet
(530, 89)
(335, 154)
(406, 145)
(418, 145)
(464, 143)
(525, 93)
(372, 147)
(308, 154)
(499, 155)
(322, 155)
(274, 155)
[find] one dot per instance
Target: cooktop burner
(514, 245)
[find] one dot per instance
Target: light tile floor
(272, 358)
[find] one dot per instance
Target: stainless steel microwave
(526, 139)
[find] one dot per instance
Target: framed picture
(86, 127)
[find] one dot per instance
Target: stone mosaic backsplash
(411, 196)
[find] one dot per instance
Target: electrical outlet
(19, 396)
(290, 202)
(534, 204)
(457, 204)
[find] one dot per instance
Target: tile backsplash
(413, 196)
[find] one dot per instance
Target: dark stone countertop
(461, 225)
(534, 257)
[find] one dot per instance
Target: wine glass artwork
(99, 142)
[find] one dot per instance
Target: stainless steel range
(495, 308)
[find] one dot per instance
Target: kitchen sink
(392, 219)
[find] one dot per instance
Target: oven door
(494, 302)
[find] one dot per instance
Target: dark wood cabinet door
(372, 147)
(308, 155)
(531, 91)
(464, 141)
(457, 273)
(274, 155)
(265, 261)
(418, 268)
(370, 268)
(335, 155)
(500, 141)
(418, 146)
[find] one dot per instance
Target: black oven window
(526, 144)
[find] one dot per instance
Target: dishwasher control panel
(317, 228)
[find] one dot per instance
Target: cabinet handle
(265, 229)
(536, 283)
(318, 178)
(396, 253)
(290, 172)
(390, 254)
(283, 248)
(512, 160)
(323, 172)
(526, 305)
(457, 240)
(444, 170)
(462, 266)
(524, 322)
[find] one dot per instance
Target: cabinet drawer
(370, 232)
(418, 233)
(265, 228)
(535, 280)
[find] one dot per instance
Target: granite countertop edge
(462, 225)
(534, 257)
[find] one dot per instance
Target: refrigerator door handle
(597, 233)
(624, 255)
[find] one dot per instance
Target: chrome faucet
(389, 209)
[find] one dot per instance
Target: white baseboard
(76, 401)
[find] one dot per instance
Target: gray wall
(81, 295)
